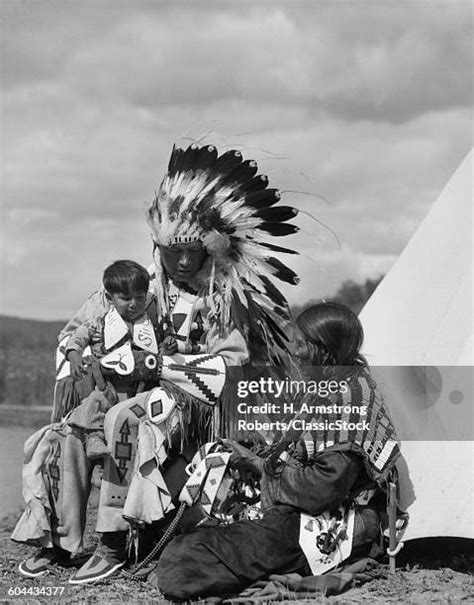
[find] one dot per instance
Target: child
(126, 286)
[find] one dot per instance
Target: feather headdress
(222, 201)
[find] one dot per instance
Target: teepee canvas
(418, 328)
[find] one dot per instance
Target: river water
(12, 439)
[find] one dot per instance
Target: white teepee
(419, 328)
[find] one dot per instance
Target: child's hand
(170, 346)
(78, 367)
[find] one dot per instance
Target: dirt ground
(429, 571)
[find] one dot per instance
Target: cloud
(347, 62)
(385, 69)
(63, 263)
(368, 108)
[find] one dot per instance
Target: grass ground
(118, 590)
(438, 572)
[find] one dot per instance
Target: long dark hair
(125, 276)
(335, 333)
(334, 336)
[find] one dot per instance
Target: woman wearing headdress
(213, 293)
(319, 482)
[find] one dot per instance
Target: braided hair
(335, 333)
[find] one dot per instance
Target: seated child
(126, 285)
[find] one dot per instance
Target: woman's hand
(242, 458)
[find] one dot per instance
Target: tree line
(350, 293)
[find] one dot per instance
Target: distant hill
(37, 331)
(27, 348)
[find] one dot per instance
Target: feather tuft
(278, 214)
(278, 229)
(283, 272)
(263, 198)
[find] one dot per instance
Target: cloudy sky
(367, 104)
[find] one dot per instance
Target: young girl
(329, 334)
(328, 339)
(336, 456)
